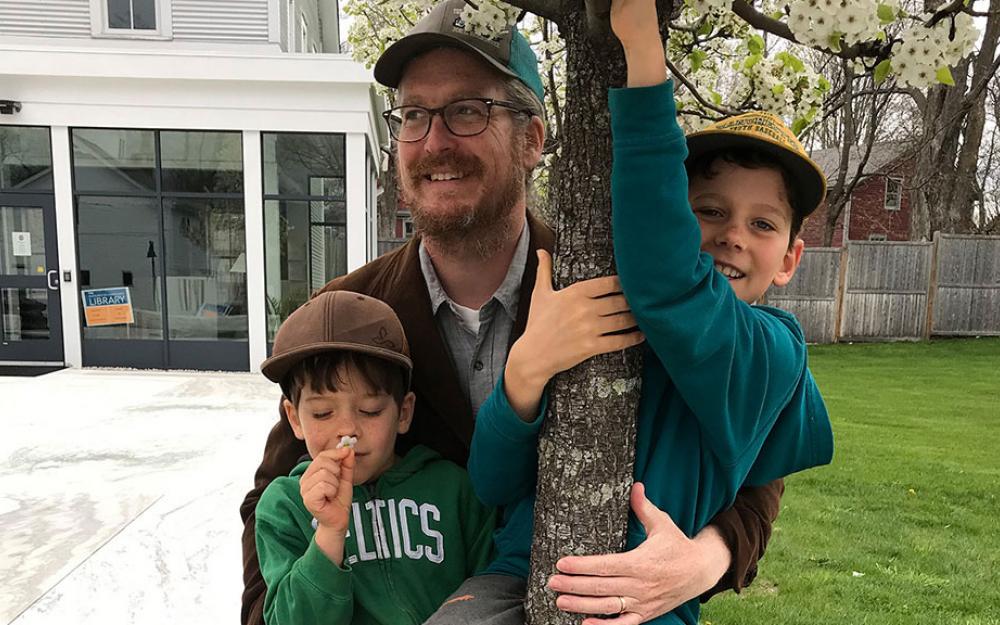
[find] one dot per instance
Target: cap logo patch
(382, 339)
(760, 125)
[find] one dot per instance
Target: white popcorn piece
(347, 441)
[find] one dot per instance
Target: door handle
(53, 278)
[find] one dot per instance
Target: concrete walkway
(120, 493)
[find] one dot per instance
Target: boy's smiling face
(746, 221)
(321, 418)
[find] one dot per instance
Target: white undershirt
(468, 317)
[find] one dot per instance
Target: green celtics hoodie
(415, 535)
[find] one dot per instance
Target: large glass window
(121, 161)
(305, 218)
(206, 269)
(161, 212)
(201, 162)
(25, 160)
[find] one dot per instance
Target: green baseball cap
(510, 52)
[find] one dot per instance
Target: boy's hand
(635, 24)
(565, 328)
(327, 488)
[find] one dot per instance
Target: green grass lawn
(904, 526)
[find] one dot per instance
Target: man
(468, 132)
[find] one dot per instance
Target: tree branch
(556, 112)
(758, 20)
(548, 9)
(956, 6)
(697, 96)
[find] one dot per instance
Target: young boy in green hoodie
(355, 535)
(727, 397)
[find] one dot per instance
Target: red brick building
(879, 209)
(403, 228)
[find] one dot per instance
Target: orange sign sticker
(106, 307)
(109, 315)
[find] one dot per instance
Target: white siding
(244, 20)
(55, 18)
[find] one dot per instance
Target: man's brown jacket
(443, 417)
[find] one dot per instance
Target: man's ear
(406, 413)
(534, 142)
(789, 263)
(293, 419)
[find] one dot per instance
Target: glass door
(30, 313)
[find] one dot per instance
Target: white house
(175, 177)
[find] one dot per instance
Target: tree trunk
(964, 185)
(587, 445)
(935, 169)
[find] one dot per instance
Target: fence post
(839, 306)
(932, 286)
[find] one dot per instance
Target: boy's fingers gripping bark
(543, 276)
(612, 305)
(617, 323)
(598, 287)
(632, 19)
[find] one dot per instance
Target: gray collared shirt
(479, 357)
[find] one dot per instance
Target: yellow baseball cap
(768, 133)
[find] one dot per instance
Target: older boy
(727, 398)
(356, 535)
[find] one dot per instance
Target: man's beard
(479, 230)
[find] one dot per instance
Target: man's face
(745, 221)
(462, 186)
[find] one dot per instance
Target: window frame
(899, 194)
(99, 23)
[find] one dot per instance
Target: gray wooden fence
(813, 295)
(883, 291)
(967, 288)
(886, 290)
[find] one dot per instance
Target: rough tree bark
(587, 445)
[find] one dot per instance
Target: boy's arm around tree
(736, 366)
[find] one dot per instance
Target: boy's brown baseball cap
(768, 133)
(338, 320)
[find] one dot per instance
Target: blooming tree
(729, 55)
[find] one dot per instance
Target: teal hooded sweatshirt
(415, 535)
(727, 398)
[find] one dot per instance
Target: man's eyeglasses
(463, 118)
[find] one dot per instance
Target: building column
(357, 202)
(69, 292)
(253, 203)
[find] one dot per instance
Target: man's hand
(668, 569)
(635, 24)
(327, 491)
(565, 328)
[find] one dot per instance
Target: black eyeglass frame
(489, 102)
